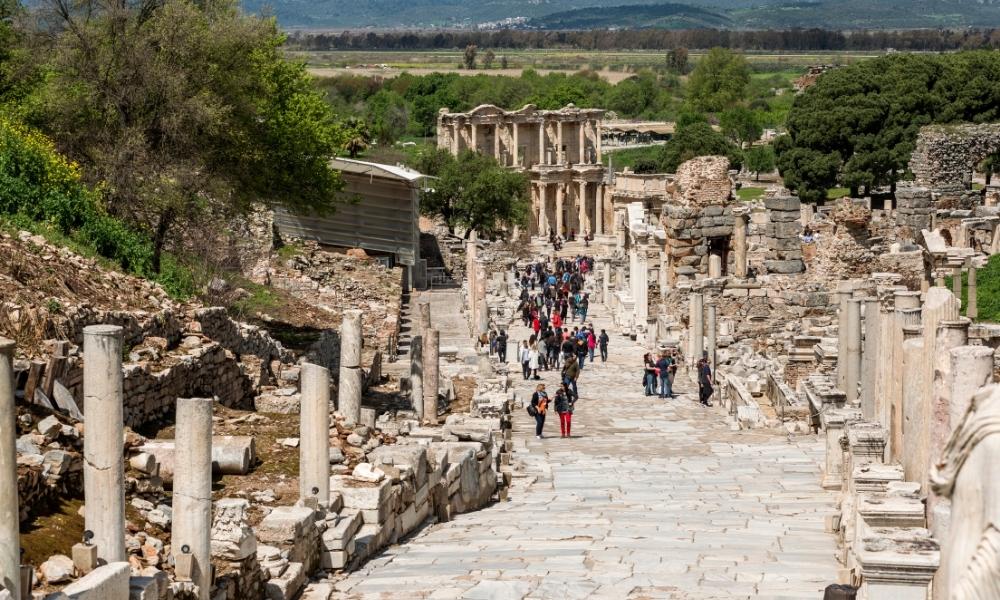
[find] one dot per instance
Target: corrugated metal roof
(350, 165)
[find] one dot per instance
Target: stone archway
(946, 154)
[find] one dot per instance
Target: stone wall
(946, 154)
(782, 232)
(688, 229)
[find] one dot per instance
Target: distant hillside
(603, 14)
(659, 16)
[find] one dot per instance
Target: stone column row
(350, 385)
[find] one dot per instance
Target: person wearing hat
(704, 379)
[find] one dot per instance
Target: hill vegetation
(641, 16)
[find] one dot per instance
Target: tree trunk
(166, 221)
(989, 176)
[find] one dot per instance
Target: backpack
(532, 411)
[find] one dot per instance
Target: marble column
(456, 135)
(710, 334)
(870, 358)
(583, 144)
(560, 198)
(417, 374)
(192, 494)
(349, 388)
(844, 291)
(714, 266)
(599, 210)
(642, 289)
(543, 213)
(103, 444)
(474, 146)
(913, 406)
(956, 282)
(939, 305)
(581, 201)
(516, 149)
(10, 544)
(696, 328)
(471, 256)
(951, 333)
(496, 144)
(432, 348)
(598, 141)
(972, 302)
(560, 155)
(542, 159)
(853, 368)
(902, 318)
(314, 434)
(740, 246)
(483, 317)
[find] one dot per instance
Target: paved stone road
(650, 499)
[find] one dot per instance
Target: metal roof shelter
(378, 210)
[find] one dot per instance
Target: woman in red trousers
(564, 402)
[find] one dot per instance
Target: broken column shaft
(696, 328)
(349, 390)
(710, 335)
(972, 303)
(10, 545)
(740, 246)
(314, 433)
(103, 443)
(431, 354)
(192, 495)
(852, 371)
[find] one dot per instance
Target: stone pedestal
(314, 434)
(192, 496)
(833, 421)
(695, 328)
(897, 564)
(714, 266)
(432, 341)
(103, 444)
(10, 545)
(349, 389)
(641, 290)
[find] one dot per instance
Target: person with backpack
(663, 368)
(538, 407)
(581, 349)
(583, 305)
(649, 374)
(501, 344)
(602, 343)
(570, 373)
(705, 389)
(564, 402)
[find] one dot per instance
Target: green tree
(473, 191)
(741, 125)
(488, 59)
(857, 126)
(358, 137)
(503, 61)
(693, 140)
(176, 107)
(718, 81)
(469, 57)
(389, 116)
(677, 61)
(759, 159)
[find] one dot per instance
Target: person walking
(663, 369)
(539, 406)
(649, 374)
(533, 361)
(602, 343)
(583, 306)
(672, 372)
(493, 341)
(570, 373)
(525, 358)
(705, 389)
(543, 351)
(501, 344)
(581, 349)
(564, 402)
(591, 344)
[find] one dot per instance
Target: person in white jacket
(533, 360)
(525, 358)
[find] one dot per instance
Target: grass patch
(837, 193)
(749, 193)
(628, 157)
(987, 291)
(260, 299)
(53, 533)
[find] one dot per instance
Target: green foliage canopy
(473, 191)
(857, 126)
(718, 81)
(692, 140)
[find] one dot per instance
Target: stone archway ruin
(945, 154)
